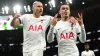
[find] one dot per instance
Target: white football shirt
(88, 53)
(34, 31)
(66, 34)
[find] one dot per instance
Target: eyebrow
(65, 7)
(39, 6)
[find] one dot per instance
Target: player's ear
(32, 7)
(59, 12)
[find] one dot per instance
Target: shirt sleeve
(51, 18)
(93, 53)
(50, 36)
(81, 32)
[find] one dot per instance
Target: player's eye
(39, 6)
(64, 8)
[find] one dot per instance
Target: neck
(36, 15)
(65, 18)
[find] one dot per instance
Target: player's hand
(80, 19)
(72, 20)
(54, 20)
(17, 15)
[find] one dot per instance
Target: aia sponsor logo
(67, 35)
(35, 28)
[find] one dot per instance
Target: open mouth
(40, 11)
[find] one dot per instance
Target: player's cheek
(68, 11)
(42, 9)
(37, 9)
(62, 12)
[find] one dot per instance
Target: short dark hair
(61, 5)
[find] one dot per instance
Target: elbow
(83, 41)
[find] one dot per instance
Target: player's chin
(66, 15)
(40, 13)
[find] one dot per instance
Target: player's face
(64, 10)
(38, 8)
(86, 47)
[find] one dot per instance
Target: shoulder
(90, 50)
(27, 15)
(83, 51)
(47, 16)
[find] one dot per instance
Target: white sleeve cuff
(82, 26)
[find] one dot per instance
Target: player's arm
(16, 21)
(80, 28)
(83, 34)
(50, 36)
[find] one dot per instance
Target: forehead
(64, 6)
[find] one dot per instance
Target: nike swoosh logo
(59, 28)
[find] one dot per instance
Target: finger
(78, 14)
(54, 19)
(17, 14)
(81, 15)
(55, 16)
(76, 18)
(69, 20)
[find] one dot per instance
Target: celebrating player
(67, 30)
(34, 27)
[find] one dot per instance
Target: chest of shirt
(88, 53)
(65, 27)
(65, 31)
(35, 24)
